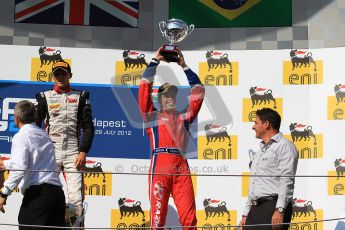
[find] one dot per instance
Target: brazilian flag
(232, 13)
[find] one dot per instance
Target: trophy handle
(162, 26)
(190, 29)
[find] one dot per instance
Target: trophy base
(169, 53)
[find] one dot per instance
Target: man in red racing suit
(168, 131)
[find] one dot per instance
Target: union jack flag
(116, 13)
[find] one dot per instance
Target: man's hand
(2, 203)
(181, 62)
(243, 222)
(159, 56)
(80, 160)
(277, 218)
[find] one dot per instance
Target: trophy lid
(175, 23)
(175, 30)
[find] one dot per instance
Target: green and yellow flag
(232, 13)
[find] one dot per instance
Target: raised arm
(197, 90)
(145, 89)
(197, 94)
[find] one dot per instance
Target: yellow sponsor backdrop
(93, 185)
(335, 186)
(218, 149)
(303, 75)
(6, 174)
(194, 182)
(334, 111)
(98, 184)
(130, 76)
(309, 226)
(307, 149)
(43, 73)
(219, 221)
(248, 111)
(219, 76)
(131, 220)
(245, 184)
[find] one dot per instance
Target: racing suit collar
(171, 113)
(60, 91)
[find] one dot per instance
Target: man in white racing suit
(65, 113)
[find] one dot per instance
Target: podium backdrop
(307, 88)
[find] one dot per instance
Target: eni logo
(97, 182)
(129, 215)
(260, 97)
(129, 71)
(302, 69)
(215, 207)
(308, 144)
(218, 70)
(304, 211)
(130, 207)
(217, 144)
(6, 174)
(216, 215)
(336, 103)
(41, 67)
(336, 179)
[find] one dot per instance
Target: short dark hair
(270, 115)
(25, 111)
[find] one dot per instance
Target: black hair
(270, 115)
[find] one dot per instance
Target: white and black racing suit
(65, 115)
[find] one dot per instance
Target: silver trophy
(175, 30)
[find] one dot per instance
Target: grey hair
(25, 111)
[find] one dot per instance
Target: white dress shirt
(278, 157)
(32, 149)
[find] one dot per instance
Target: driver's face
(61, 78)
(169, 101)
